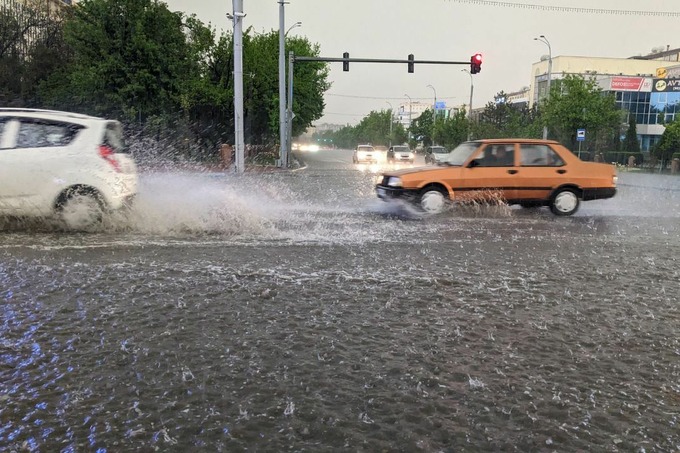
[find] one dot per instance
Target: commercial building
(646, 87)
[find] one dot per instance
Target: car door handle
(561, 171)
(512, 172)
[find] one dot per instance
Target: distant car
(65, 165)
(400, 153)
(530, 173)
(434, 154)
(365, 154)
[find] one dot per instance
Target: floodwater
(296, 312)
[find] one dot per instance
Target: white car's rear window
(113, 138)
(365, 148)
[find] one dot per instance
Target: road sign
(440, 105)
(580, 135)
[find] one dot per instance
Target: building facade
(644, 87)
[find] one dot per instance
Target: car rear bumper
(598, 193)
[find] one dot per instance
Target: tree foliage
(669, 143)
(631, 142)
(576, 102)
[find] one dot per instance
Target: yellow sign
(661, 73)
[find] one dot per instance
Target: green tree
(669, 143)
(452, 131)
(421, 129)
(631, 142)
(575, 103)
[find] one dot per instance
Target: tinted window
(497, 156)
(539, 156)
(113, 138)
(401, 149)
(34, 134)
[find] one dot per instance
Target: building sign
(440, 105)
(668, 73)
(630, 84)
(666, 86)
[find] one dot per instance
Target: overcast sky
(445, 30)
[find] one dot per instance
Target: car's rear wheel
(565, 202)
(81, 210)
(432, 200)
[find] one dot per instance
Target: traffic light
(476, 63)
(345, 64)
(410, 63)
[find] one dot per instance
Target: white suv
(71, 166)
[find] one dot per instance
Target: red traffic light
(476, 63)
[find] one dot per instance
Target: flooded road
(296, 312)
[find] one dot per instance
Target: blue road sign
(580, 135)
(440, 105)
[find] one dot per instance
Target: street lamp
(295, 25)
(283, 158)
(391, 113)
(472, 89)
(434, 112)
(545, 41)
(410, 103)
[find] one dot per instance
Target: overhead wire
(571, 9)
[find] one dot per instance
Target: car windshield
(440, 150)
(460, 153)
(401, 149)
(365, 148)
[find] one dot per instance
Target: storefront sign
(666, 86)
(628, 84)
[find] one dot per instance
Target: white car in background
(65, 165)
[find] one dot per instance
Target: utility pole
(391, 113)
(238, 85)
(545, 41)
(434, 113)
(283, 120)
(472, 88)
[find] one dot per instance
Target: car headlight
(394, 181)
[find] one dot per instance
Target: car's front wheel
(432, 200)
(565, 202)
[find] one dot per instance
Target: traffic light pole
(292, 59)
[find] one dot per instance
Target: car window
(539, 156)
(364, 148)
(39, 134)
(401, 149)
(113, 138)
(461, 153)
(440, 150)
(497, 156)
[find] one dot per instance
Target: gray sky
(445, 30)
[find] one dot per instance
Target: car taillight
(106, 153)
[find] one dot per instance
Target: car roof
(52, 114)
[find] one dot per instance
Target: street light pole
(239, 141)
(545, 41)
(434, 113)
(391, 113)
(472, 89)
(283, 158)
(295, 25)
(410, 111)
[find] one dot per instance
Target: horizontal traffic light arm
(375, 60)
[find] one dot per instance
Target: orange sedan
(517, 171)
